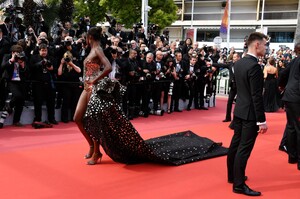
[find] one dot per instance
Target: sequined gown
(271, 94)
(105, 121)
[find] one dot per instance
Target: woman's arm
(105, 62)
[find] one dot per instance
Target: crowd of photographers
(37, 67)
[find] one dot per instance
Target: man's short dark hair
(256, 36)
(297, 48)
(16, 48)
(43, 46)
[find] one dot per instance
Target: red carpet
(48, 163)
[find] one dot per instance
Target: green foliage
(128, 12)
(89, 8)
(66, 10)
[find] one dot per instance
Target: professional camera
(20, 56)
(67, 43)
(210, 70)
(148, 75)
(194, 76)
(153, 28)
(43, 40)
(37, 15)
(207, 98)
(171, 89)
(157, 112)
(46, 63)
(68, 56)
(162, 75)
(137, 26)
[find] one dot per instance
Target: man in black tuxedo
(232, 84)
(43, 87)
(4, 49)
(249, 115)
(291, 97)
(5, 27)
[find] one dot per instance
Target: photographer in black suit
(4, 49)
(291, 98)
(249, 82)
(15, 73)
(43, 87)
(232, 84)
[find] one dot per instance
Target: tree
(29, 7)
(128, 12)
(66, 10)
(89, 8)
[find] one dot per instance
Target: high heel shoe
(95, 158)
(90, 154)
(169, 111)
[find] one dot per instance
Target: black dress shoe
(292, 160)
(53, 121)
(226, 120)
(282, 148)
(246, 191)
(203, 108)
(177, 110)
(231, 181)
(188, 109)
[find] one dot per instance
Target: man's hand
(262, 128)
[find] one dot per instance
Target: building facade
(279, 21)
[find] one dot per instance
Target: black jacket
(292, 89)
(250, 81)
(8, 69)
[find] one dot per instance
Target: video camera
(38, 14)
(137, 26)
(153, 28)
(13, 10)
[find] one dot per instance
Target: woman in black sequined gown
(91, 75)
(105, 122)
(271, 92)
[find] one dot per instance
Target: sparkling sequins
(105, 121)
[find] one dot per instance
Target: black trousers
(243, 140)
(231, 96)
(43, 92)
(293, 131)
(17, 102)
(70, 95)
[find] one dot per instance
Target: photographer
(15, 73)
(190, 82)
(200, 71)
(209, 79)
(160, 84)
(43, 87)
(69, 72)
(146, 88)
(39, 24)
(131, 72)
(66, 46)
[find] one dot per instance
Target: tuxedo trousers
(293, 132)
(242, 143)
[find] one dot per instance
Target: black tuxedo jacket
(249, 81)
(292, 89)
(5, 30)
(9, 68)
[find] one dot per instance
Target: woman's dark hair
(96, 33)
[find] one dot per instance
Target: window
(282, 37)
